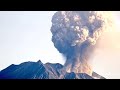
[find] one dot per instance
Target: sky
(25, 36)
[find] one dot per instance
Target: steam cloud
(75, 35)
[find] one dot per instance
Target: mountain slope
(38, 70)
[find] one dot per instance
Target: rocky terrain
(38, 70)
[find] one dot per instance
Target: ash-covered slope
(38, 70)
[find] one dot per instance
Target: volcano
(75, 34)
(38, 70)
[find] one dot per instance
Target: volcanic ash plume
(75, 34)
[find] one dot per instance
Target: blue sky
(26, 36)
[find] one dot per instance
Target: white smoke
(106, 60)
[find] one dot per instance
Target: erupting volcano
(76, 35)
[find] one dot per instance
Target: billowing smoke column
(75, 33)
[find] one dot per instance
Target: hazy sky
(26, 36)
